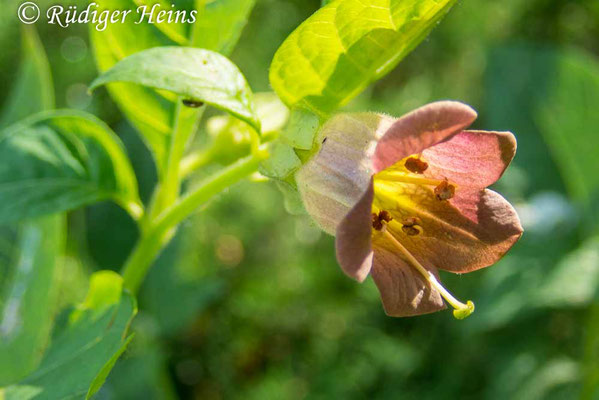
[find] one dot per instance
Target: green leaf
(33, 91)
(291, 197)
(84, 352)
(202, 76)
(26, 309)
(282, 161)
(149, 111)
(547, 378)
(58, 161)
(568, 119)
(301, 130)
(573, 281)
(220, 24)
(153, 112)
(557, 119)
(346, 45)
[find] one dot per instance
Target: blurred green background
(248, 302)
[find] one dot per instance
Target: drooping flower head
(406, 197)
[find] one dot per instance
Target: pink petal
(404, 291)
(475, 159)
(497, 229)
(469, 232)
(353, 240)
(419, 129)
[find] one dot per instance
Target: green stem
(161, 230)
(145, 252)
(134, 208)
(214, 185)
(168, 190)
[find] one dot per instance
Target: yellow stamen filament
(461, 310)
(396, 176)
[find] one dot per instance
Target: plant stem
(168, 190)
(214, 185)
(161, 229)
(134, 209)
(145, 252)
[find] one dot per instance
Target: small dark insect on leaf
(324, 140)
(192, 103)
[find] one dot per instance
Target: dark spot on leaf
(192, 103)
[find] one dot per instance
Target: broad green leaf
(554, 94)
(33, 90)
(573, 281)
(346, 45)
(568, 119)
(282, 161)
(28, 298)
(291, 197)
(271, 112)
(28, 253)
(143, 373)
(202, 76)
(220, 23)
(152, 112)
(57, 161)
(301, 130)
(80, 357)
(149, 111)
(548, 378)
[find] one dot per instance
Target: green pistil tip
(463, 312)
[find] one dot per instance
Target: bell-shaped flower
(406, 197)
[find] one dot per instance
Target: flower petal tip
(457, 107)
(420, 129)
(451, 112)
